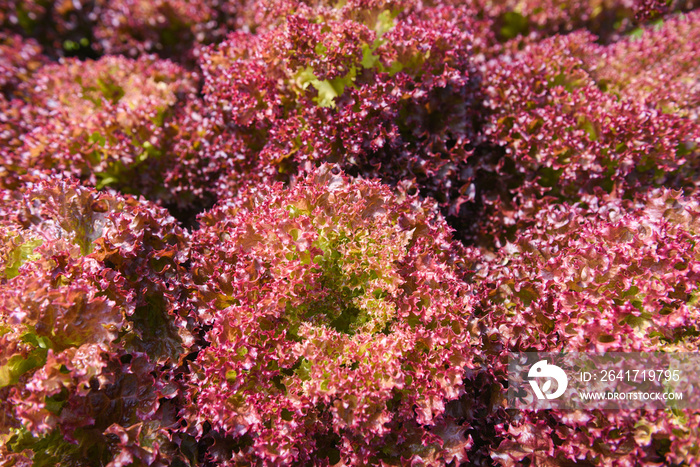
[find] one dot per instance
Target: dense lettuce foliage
(659, 68)
(105, 122)
(285, 232)
(340, 325)
(93, 324)
(616, 276)
(380, 91)
(554, 135)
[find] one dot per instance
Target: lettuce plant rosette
(103, 121)
(386, 90)
(340, 326)
(613, 276)
(92, 327)
(553, 135)
(658, 66)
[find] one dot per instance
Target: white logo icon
(542, 369)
